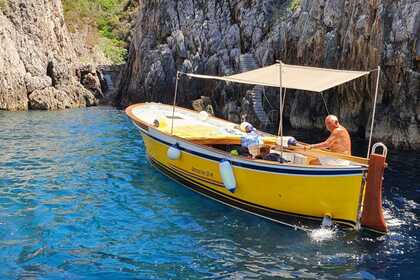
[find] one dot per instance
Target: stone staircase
(246, 63)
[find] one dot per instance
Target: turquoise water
(79, 200)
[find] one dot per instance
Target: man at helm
(339, 139)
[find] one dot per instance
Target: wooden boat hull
(270, 192)
(268, 189)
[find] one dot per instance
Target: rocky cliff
(37, 58)
(210, 37)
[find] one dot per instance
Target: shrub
(2, 4)
(294, 4)
(104, 17)
(114, 50)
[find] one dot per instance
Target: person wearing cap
(246, 127)
(339, 140)
(250, 139)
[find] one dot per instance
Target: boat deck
(202, 129)
(186, 124)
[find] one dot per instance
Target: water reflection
(78, 199)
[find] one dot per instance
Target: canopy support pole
(280, 131)
(374, 109)
(173, 108)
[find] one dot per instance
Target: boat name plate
(205, 173)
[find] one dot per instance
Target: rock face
(209, 37)
(37, 57)
(109, 78)
(90, 79)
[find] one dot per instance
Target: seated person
(339, 140)
(252, 145)
(247, 127)
(252, 137)
(264, 150)
(265, 154)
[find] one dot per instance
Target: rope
(284, 100)
(268, 101)
(280, 129)
(280, 132)
(374, 109)
(173, 108)
(325, 103)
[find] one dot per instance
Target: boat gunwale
(146, 126)
(259, 166)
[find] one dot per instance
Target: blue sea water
(79, 200)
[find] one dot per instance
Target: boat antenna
(280, 131)
(173, 108)
(374, 108)
(325, 103)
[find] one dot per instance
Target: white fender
(174, 153)
(228, 178)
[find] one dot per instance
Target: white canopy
(292, 77)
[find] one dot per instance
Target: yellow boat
(194, 149)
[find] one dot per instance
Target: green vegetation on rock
(114, 49)
(107, 18)
(2, 4)
(294, 4)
